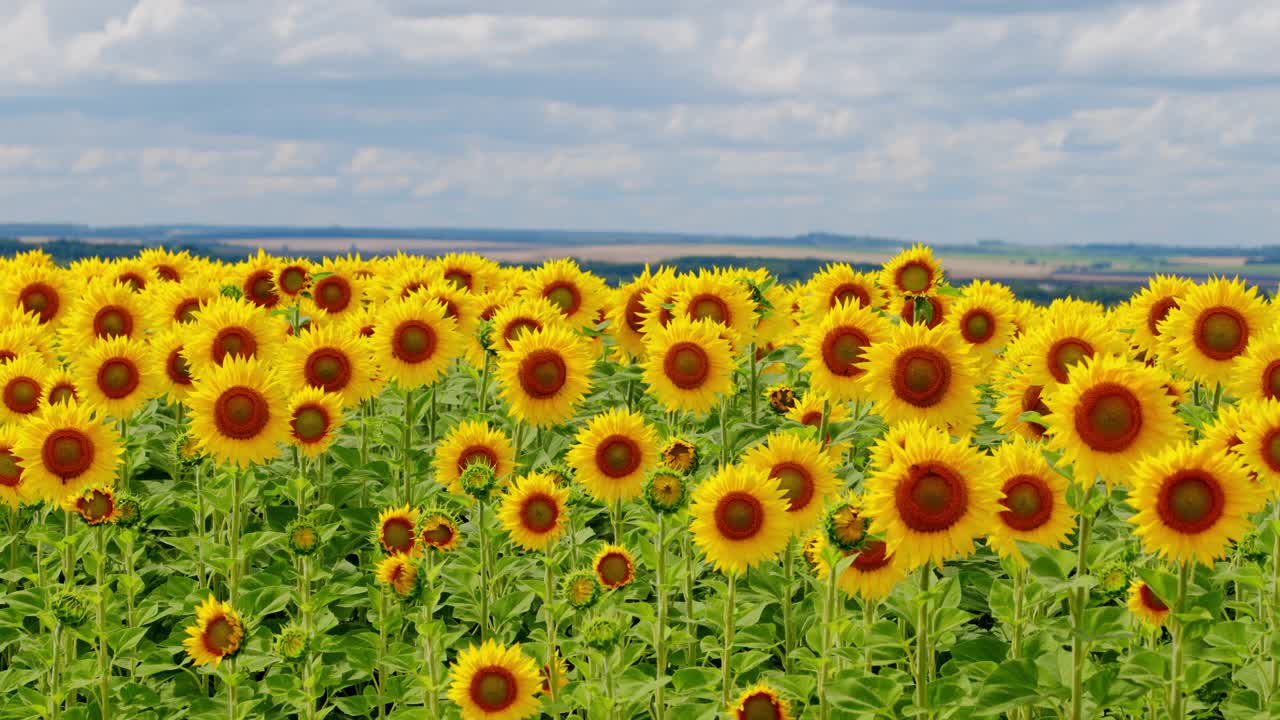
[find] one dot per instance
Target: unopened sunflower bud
(292, 644)
(478, 480)
(580, 589)
(304, 539)
(666, 490)
(70, 609)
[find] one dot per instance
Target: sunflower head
(472, 442)
(614, 567)
(494, 681)
(239, 412)
(761, 702)
(400, 573)
(65, 449)
(844, 526)
(128, 512)
(925, 374)
(1034, 506)
(612, 454)
(1113, 578)
(740, 518)
(292, 644)
(602, 633)
(70, 608)
(666, 490)
(1149, 607)
(688, 365)
(912, 272)
(396, 532)
(534, 511)
(216, 634)
(781, 398)
(834, 353)
(681, 455)
(580, 589)
(478, 480)
(545, 374)
(314, 419)
(804, 470)
(438, 530)
(303, 537)
(1213, 324)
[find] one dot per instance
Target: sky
(940, 121)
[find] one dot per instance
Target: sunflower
(95, 505)
(581, 589)
(1147, 309)
(844, 525)
(545, 375)
(178, 303)
(612, 455)
(1258, 441)
(688, 365)
(467, 271)
(655, 305)
(761, 702)
(414, 342)
(930, 311)
(716, 297)
(1112, 413)
(165, 265)
(523, 315)
(472, 441)
(12, 491)
(1192, 502)
(1148, 606)
(217, 633)
(680, 455)
(1067, 335)
(292, 278)
(808, 411)
(337, 289)
(104, 310)
(1022, 395)
(494, 682)
(872, 575)
(888, 448)
(438, 530)
(21, 336)
(225, 328)
(912, 272)
(314, 419)
(1227, 430)
(614, 567)
(534, 511)
(397, 530)
(39, 290)
(118, 375)
(834, 352)
(739, 518)
(933, 500)
(402, 276)
(22, 387)
(984, 318)
(923, 373)
(400, 573)
(167, 353)
(328, 359)
(626, 313)
(562, 675)
(804, 470)
(1255, 374)
(459, 305)
(257, 279)
(1035, 499)
(238, 412)
(1212, 326)
(578, 295)
(132, 273)
(838, 284)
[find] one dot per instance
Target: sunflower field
(412, 487)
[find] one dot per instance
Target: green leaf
(1013, 684)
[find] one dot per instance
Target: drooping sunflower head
(761, 702)
(239, 412)
(1192, 502)
(716, 297)
(681, 455)
(1149, 307)
(835, 351)
(23, 384)
(438, 530)
(292, 644)
(216, 634)
(329, 359)
(1213, 325)
(614, 567)
(925, 374)
(1021, 395)
(468, 442)
(689, 365)
(612, 455)
(413, 341)
(804, 470)
(118, 375)
(400, 573)
(64, 449)
(545, 375)
(1144, 603)
(534, 511)
(666, 490)
(1113, 578)
(397, 530)
(1035, 508)
(1113, 412)
(95, 505)
(1255, 374)
(739, 518)
(494, 682)
(912, 272)
(580, 589)
(933, 500)
(228, 328)
(315, 417)
(578, 295)
(70, 608)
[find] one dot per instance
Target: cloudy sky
(938, 120)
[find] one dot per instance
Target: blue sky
(934, 120)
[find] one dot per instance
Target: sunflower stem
(924, 658)
(553, 672)
(828, 616)
(237, 476)
(1274, 615)
(484, 572)
(754, 376)
(364, 449)
(1079, 599)
(660, 628)
(231, 689)
(429, 611)
(431, 414)
(308, 691)
(407, 440)
(55, 674)
(726, 657)
(104, 667)
(129, 572)
(608, 684)
(788, 621)
(380, 679)
(1177, 708)
(724, 435)
(201, 573)
(691, 627)
(1015, 645)
(868, 620)
(615, 517)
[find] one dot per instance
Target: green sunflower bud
(581, 589)
(70, 609)
(666, 490)
(304, 539)
(602, 633)
(292, 644)
(478, 480)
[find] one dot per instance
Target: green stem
(429, 609)
(553, 671)
(484, 572)
(726, 657)
(129, 571)
(615, 517)
(660, 628)
(364, 449)
(1177, 702)
(231, 689)
(1080, 601)
(691, 627)
(237, 476)
(868, 620)
(407, 441)
(380, 680)
(201, 572)
(1019, 587)
(308, 691)
(481, 400)
(104, 666)
(55, 675)
(788, 621)
(754, 381)
(924, 660)
(828, 616)
(1274, 618)
(608, 684)
(724, 435)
